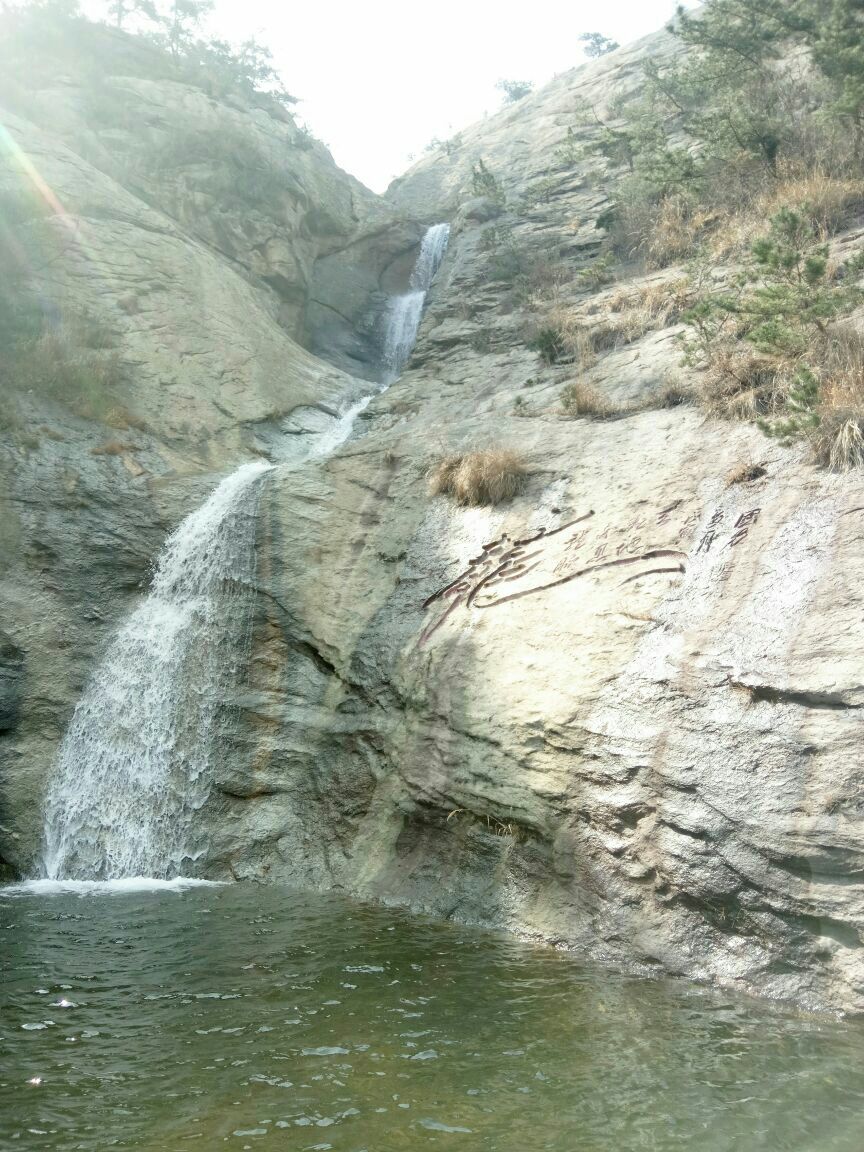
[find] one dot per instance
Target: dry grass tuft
(565, 336)
(677, 229)
(830, 202)
(69, 364)
(123, 420)
(10, 418)
(661, 233)
(581, 399)
(487, 476)
(745, 473)
(673, 395)
(651, 307)
(838, 441)
(668, 232)
(741, 384)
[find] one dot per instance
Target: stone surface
(520, 144)
(652, 764)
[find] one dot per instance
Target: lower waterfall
(135, 764)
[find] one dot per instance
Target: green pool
(243, 1017)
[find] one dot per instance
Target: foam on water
(122, 886)
(327, 442)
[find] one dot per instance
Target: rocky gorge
(620, 712)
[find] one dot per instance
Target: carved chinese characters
(647, 545)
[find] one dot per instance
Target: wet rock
(11, 672)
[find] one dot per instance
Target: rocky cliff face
(192, 242)
(620, 712)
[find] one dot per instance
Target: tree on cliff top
(514, 90)
(182, 21)
(214, 65)
(121, 10)
(740, 45)
(595, 45)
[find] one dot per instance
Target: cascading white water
(404, 313)
(135, 765)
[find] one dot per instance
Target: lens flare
(10, 147)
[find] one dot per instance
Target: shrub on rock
(488, 476)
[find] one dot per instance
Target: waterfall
(135, 764)
(404, 312)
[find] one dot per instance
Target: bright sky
(378, 79)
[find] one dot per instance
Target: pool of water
(253, 1018)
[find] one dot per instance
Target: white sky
(378, 79)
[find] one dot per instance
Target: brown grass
(123, 420)
(668, 232)
(744, 473)
(11, 533)
(651, 307)
(673, 395)
(568, 335)
(565, 336)
(10, 418)
(830, 202)
(741, 384)
(484, 477)
(580, 399)
(677, 229)
(661, 233)
(65, 364)
(838, 441)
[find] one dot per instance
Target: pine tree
(182, 21)
(635, 136)
(486, 183)
(514, 90)
(837, 43)
(786, 293)
(596, 45)
(784, 300)
(729, 90)
(120, 10)
(728, 93)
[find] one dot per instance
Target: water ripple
(184, 1025)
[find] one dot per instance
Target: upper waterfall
(405, 311)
